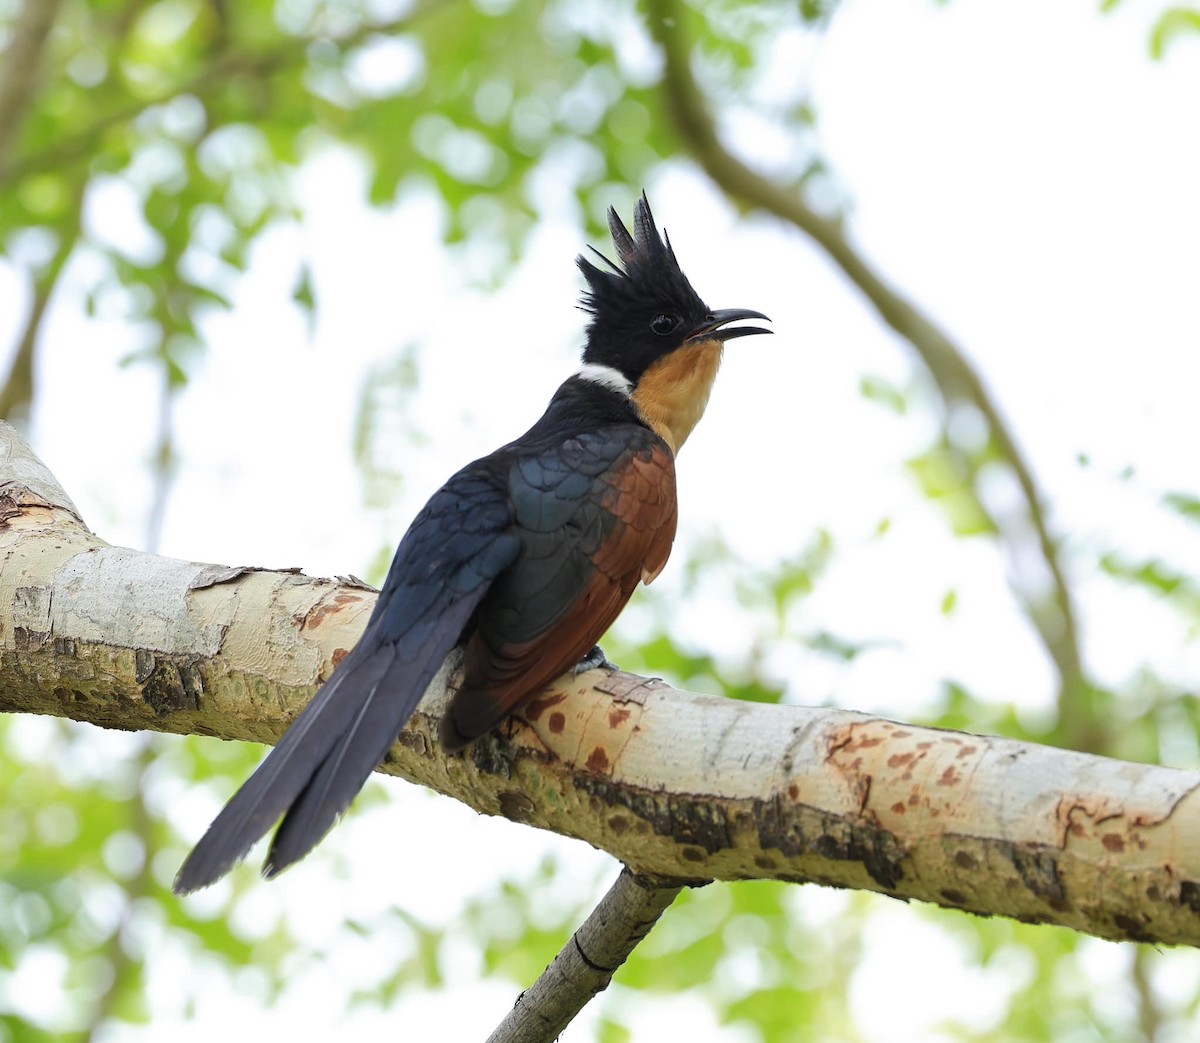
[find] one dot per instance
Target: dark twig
(955, 376)
(588, 961)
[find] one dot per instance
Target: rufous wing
(571, 583)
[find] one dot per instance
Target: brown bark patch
(598, 761)
(536, 707)
(329, 607)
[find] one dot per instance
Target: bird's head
(650, 329)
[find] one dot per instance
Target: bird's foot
(594, 660)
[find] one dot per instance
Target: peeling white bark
(671, 783)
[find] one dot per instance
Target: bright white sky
(1022, 170)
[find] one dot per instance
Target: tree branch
(671, 783)
(21, 67)
(18, 387)
(955, 376)
(587, 963)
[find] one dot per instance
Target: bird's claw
(594, 660)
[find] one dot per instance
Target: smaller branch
(21, 67)
(589, 960)
(19, 387)
(952, 371)
(163, 462)
(1149, 1014)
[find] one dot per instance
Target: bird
(524, 557)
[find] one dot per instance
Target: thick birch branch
(671, 783)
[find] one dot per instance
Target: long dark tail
(328, 753)
(282, 776)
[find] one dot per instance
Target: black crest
(646, 282)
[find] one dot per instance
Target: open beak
(711, 328)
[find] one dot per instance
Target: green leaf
(1172, 24)
(303, 295)
(885, 393)
(945, 477)
(1184, 504)
(1158, 578)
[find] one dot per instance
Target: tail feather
(283, 775)
(364, 743)
(442, 570)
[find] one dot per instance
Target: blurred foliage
(1173, 24)
(747, 948)
(1159, 578)
(157, 145)
(949, 478)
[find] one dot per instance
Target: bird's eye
(663, 324)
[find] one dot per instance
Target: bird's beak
(710, 328)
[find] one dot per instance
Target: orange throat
(673, 392)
